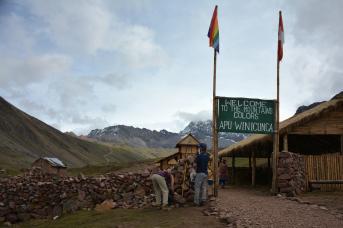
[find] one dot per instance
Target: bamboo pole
(214, 130)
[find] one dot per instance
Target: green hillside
(24, 138)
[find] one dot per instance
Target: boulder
(105, 206)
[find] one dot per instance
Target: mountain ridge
(144, 137)
(202, 130)
(24, 138)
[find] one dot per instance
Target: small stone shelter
(187, 146)
(51, 165)
(311, 149)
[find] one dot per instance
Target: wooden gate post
(233, 169)
(253, 171)
(285, 142)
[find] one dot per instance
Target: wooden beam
(253, 171)
(233, 169)
(285, 142)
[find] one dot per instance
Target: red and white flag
(281, 39)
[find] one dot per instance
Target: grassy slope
(24, 138)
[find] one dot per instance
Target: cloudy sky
(79, 65)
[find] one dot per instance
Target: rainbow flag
(213, 31)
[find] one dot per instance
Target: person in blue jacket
(201, 178)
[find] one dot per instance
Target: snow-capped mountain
(137, 137)
(142, 137)
(202, 130)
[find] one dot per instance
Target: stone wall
(291, 173)
(39, 195)
(36, 194)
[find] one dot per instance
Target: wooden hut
(51, 165)
(187, 146)
(316, 134)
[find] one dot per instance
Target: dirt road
(255, 208)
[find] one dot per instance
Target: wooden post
(341, 144)
(233, 169)
(250, 161)
(285, 142)
(253, 171)
(276, 137)
(214, 130)
(268, 162)
(277, 112)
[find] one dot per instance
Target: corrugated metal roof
(55, 162)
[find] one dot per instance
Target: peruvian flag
(281, 39)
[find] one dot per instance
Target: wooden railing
(324, 168)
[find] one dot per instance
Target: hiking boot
(203, 203)
(195, 205)
(154, 204)
(165, 208)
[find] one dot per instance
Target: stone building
(51, 165)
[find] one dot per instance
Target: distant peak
(338, 96)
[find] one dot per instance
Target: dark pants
(222, 182)
(170, 198)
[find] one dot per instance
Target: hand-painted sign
(245, 115)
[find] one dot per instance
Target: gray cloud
(87, 27)
(22, 72)
(318, 21)
(43, 50)
(318, 34)
(187, 116)
(108, 108)
(119, 81)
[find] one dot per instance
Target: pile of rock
(184, 185)
(39, 195)
(291, 173)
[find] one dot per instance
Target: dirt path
(258, 209)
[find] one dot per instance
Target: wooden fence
(325, 167)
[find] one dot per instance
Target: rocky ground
(245, 207)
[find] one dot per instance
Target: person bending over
(162, 181)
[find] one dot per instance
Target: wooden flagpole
(214, 130)
(276, 134)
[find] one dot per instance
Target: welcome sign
(245, 115)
